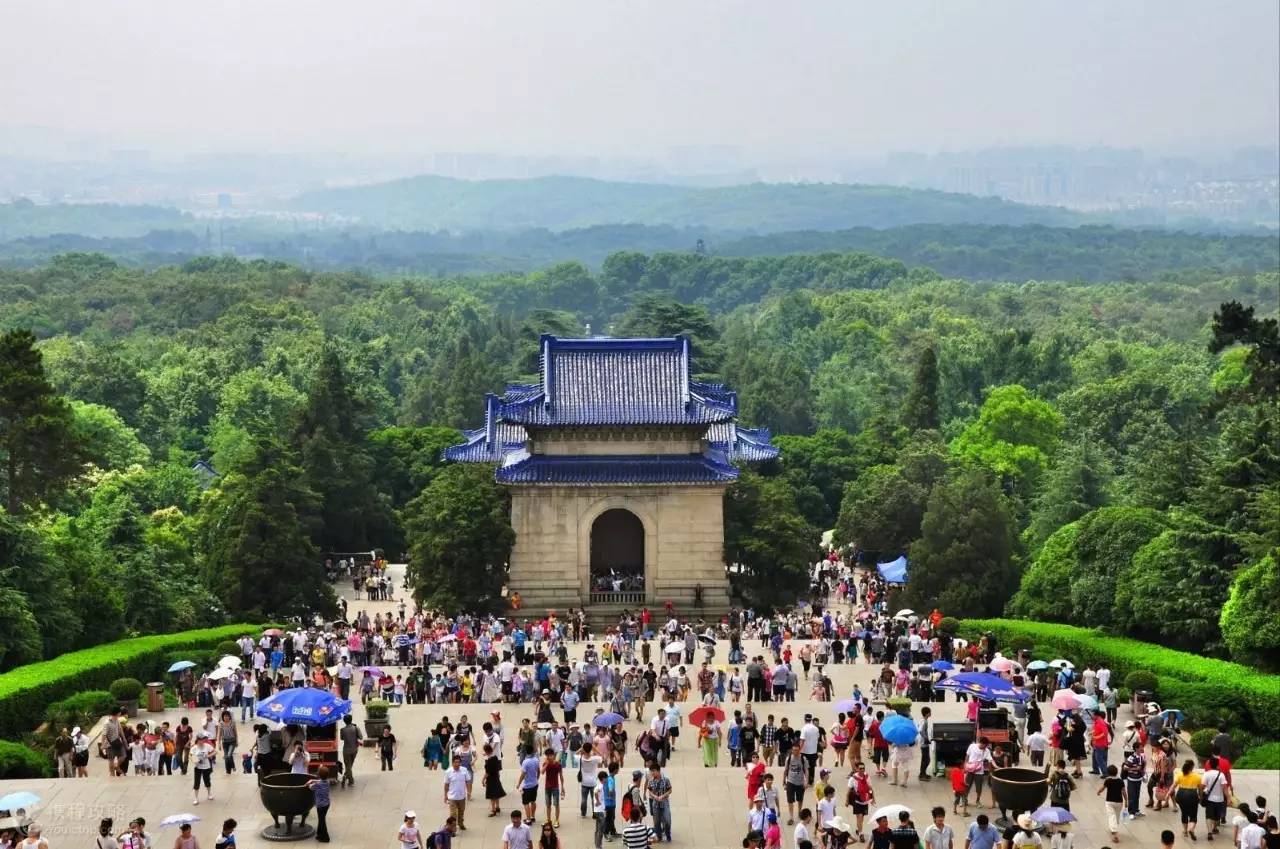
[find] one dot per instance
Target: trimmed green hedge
(1204, 688)
(18, 761)
(82, 709)
(1266, 756)
(27, 691)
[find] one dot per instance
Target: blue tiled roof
(742, 443)
(478, 449)
(598, 382)
(616, 381)
(637, 469)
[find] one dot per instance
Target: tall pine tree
(258, 556)
(337, 464)
(920, 411)
(39, 451)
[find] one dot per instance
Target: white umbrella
(904, 613)
(179, 819)
(230, 661)
(672, 648)
(1062, 664)
(447, 638)
(220, 673)
(960, 644)
(890, 811)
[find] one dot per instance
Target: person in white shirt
(976, 760)
(1252, 835)
(456, 780)
(517, 835)
(809, 735)
(802, 827)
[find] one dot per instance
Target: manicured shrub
(949, 625)
(226, 647)
(1201, 741)
(899, 704)
(377, 708)
(25, 692)
(1020, 643)
(18, 761)
(1207, 690)
(126, 689)
(1140, 679)
(82, 709)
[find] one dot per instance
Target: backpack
(1062, 787)
(430, 840)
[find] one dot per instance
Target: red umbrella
(273, 632)
(700, 715)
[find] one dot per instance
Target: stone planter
(130, 707)
(373, 728)
(286, 794)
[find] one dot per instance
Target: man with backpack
(633, 799)
(1060, 786)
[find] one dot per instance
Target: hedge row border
(1258, 693)
(27, 691)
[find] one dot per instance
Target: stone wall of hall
(684, 542)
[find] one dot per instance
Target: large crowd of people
(647, 668)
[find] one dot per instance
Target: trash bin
(155, 696)
(1141, 698)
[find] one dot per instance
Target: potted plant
(127, 691)
(375, 717)
(899, 704)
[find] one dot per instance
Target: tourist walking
(492, 780)
(350, 736)
(1187, 796)
(456, 779)
(202, 757)
(658, 791)
(320, 792)
(1114, 788)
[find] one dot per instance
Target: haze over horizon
(580, 78)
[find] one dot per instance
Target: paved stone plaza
(708, 805)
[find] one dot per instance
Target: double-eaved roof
(610, 382)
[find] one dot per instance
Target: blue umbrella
(605, 720)
(898, 730)
(984, 685)
(942, 666)
(1052, 814)
(181, 665)
(1177, 714)
(304, 706)
(1037, 665)
(19, 799)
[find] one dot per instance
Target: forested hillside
(560, 203)
(979, 252)
(1110, 447)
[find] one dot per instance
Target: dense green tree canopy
(460, 540)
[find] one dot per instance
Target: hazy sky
(612, 77)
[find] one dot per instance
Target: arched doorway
(617, 555)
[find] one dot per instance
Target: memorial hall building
(617, 462)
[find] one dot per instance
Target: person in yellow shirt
(1186, 784)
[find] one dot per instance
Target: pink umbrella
(1001, 664)
(1065, 700)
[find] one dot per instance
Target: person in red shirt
(959, 790)
(1100, 740)
(755, 775)
(879, 745)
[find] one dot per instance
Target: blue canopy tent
(895, 571)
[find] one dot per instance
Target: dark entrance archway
(617, 554)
